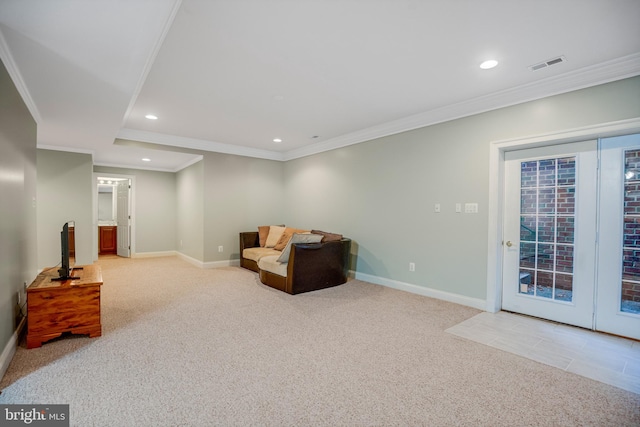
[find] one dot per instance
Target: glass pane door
(547, 215)
(618, 297)
(630, 283)
(550, 232)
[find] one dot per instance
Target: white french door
(572, 234)
(618, 292)
(550, 232)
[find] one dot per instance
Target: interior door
(550, 232)
(618, 296)
(124, 218)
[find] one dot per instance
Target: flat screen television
(68, 250)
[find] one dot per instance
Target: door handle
(509, 244)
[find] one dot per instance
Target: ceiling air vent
(548, 63)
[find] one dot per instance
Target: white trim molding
(421, 290)
(496, 188)
(16, 76)
(151, 58)
(606, 72)
(209, 264)
(154, 254)
(10, 349)
(617, 69)
(138, 167)
(196, 144)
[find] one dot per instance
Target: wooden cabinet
(56, 307)
(107, 239)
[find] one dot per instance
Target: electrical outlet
(412, 266)
(436, 208)
(220, 249)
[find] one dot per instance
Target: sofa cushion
(270, 263)
(298, 238)
(263, 232)
(328, 237)
(275, 232)
(255, 254)
(286, 236)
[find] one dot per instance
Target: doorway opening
(113, 215)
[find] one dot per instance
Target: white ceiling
(230, 76)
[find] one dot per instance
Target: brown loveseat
(307, 267)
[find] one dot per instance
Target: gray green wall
(382, 193)
(18, 235)
(190, 211)
(155, 200)
(64, 194)
(240, 193)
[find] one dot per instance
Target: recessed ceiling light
(151, 117)
(488, 64)
(277, 140)
(146, 159)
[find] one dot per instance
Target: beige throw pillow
(275, 232)
(286, 235)
(298, 238)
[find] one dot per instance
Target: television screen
(71, 239)
(68, 250)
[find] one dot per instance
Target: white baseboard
(10, 348)
(408, 287)
(190, 260)
(420, 290)
(153, 254)
(210, 264)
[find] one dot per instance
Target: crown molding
(600, 130)
(137, 167)
(617, 69)
(189, 163)
(151, 59)
(151, 168)
(67, 149)
(196, 144)
(16, 76)
(606, 72)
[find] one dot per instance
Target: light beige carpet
(194, 347)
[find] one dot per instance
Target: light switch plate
(470, 208)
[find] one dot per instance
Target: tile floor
(601, 357)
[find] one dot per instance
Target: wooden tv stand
(56, 307)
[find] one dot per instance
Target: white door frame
(496, 188)
(132, 208)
